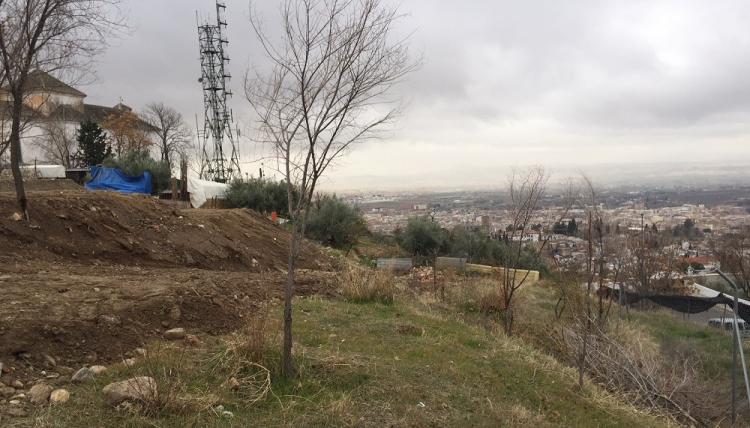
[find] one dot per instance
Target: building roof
(40, 81)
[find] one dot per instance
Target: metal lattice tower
(218, 136)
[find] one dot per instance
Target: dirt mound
(95, 275)
(137, 230)
(40, 185)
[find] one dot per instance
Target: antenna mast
(217, 138)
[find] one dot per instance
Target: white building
(49, 101)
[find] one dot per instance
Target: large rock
(59, 396)
(39, 393)
(85, 374)
(175, 334)
(141, 388)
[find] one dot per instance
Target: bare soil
(95, 275)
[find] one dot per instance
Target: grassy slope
(373, 365)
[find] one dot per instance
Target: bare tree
(525, 189)
(174, 135)
(53, 36)
(733, 251)
(331, 71)
(56, 142)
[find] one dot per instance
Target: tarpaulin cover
(114, 179)
(202, 190)
(687, 304)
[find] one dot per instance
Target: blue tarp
(114, 179)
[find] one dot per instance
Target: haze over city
(566, 84)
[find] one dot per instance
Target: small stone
(165, 324)
(39, 393)
(17, 412)
(227, 414)
(17, 384)
(16, 217)
(175, 313)
(192, 340)
(59, 396)
(175, 334)
(219, 408)
(109, 320)
(7, 391)
(14, 402)
(141, 388)
(129, 362)
(83, 375)
(233, 383)
(50, 360)
(97, 370)
(140, 351)
(18, 397)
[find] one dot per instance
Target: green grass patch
(369, 365)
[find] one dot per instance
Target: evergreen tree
(93, 146)
(572, 227)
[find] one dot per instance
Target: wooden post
(173, 183)
(183, 180)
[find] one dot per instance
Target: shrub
(423, 237)
(136, 162)
(334, 222)
(259, 194)
(367, 286)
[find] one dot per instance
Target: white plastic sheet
(45, 171)
(202, 190)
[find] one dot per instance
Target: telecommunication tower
(218, 138)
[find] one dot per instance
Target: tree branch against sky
(174, 135)
(331, 72)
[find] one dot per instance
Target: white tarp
(44, 171)
(202, 190)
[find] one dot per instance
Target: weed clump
(367, 286)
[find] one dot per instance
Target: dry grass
(477, 294)
(246, 355)
(359, 285)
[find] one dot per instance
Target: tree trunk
(508, 320)
(15, 157)
(287, 369)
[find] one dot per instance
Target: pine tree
(572, 227)
(93, 146)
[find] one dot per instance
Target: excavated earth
(93, 276)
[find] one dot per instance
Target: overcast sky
(504, 83)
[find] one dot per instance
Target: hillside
(368, 365)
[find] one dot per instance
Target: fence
(395, 264)
(459, 264)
